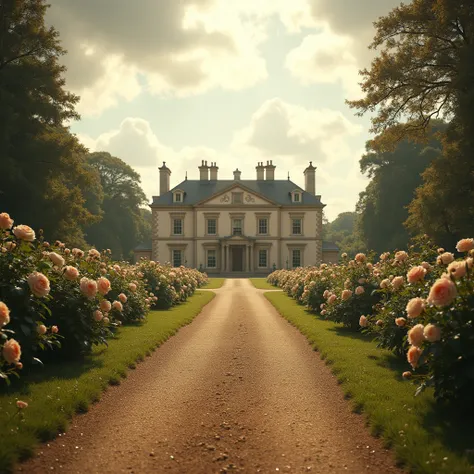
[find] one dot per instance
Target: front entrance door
(237, 259)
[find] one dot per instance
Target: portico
(237, 254)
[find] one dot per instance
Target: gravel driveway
(238, 390)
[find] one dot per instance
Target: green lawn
(214, 283)
(55, 393)
(424, 437)
(262, 284)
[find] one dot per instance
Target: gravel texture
(238, 390)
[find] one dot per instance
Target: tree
(343, 231)
(43, 180)
(124, 223)
(394, 176)
(425, 70)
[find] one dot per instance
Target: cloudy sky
(231, 81)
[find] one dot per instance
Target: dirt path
(238, 390)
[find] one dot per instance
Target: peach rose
(464, 245)
(106, 320)
(39, 284)
(71, 273)
(42, 329)
(56, 259)
(385, 283)
(10, 245)
(117, 305)
(363, 322)
(21, 404)
(344, 255)
(93, 253)
(415, 307)
(457, 269)
(4, 314)
(401, 256)
(77, 252)
(105, 305)
(11, 351)
(5, 221)
(379, 323)
(442, 293)
(400, 322)
(24, 232)
(416, 274)
(346, 294)
(415, 335)
(133, 287)
(331, 299)
(397, 282)
(432, 333)
(360, 258)
(407, 374)
(103, 285)
(470, 262)
(359, 290)
(413, 356)
(98, 316)
(426, 266)
(122, 297)
(88, 287)
(323, 312)
(54, 329)
(445, 258)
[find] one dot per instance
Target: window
(177, 226)
(211, 259)
(237, 198)
(211, 226)
(177, 257)
(237, 227)
(296, 258)
(263, 226)
(178, 197)
(262, 259)
(296, 197)
(296, 226)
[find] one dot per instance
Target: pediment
(225, 197)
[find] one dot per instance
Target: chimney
(213, 171)
(310, 179)
(260, 171)
(204, 171)
(237, 174)
(164, 179)
(270, 171)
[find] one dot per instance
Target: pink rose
(415, 335)
(446, 258)
(457, 269)
(413, 356)
(323, 312)
(331, 299)
(41, 329)
(4, 314)
(54, 329)
(400, 322)
(24, 232)
(133, 287)
(401, 256)
(122, 297)
(415, 307)
(326, 294)
(464, 245)
(432, 333)
(98, 316)
(416, 274)
(5, 221)
(88, 287)
(11, 351)
(71, 273)
(359, 290)
(397, 282)
(56, 259)
(39, 284)
(363, 322)
(105, 305)
(360, 258)
(117, 305)
(346, 294)
(21, 404)
(442, 293)
(103, 285)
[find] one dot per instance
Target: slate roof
(144, 246)
(330, 246)
(275, 190)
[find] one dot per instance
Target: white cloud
(325, 58)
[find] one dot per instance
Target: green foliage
(344, 232)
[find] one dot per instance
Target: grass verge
(262, 284)
(57, 392)
(214, 283)
(425, 438)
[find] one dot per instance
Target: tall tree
(43, 180)
(343, 231)
(124, 223)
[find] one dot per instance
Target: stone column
(246, 259)
(222, 263)
(227, 260)
(251, 258)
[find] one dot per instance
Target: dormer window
(178, 195)
(296, 195)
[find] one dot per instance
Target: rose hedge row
(67, 300)
(419, 304)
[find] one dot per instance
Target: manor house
(238, 226)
